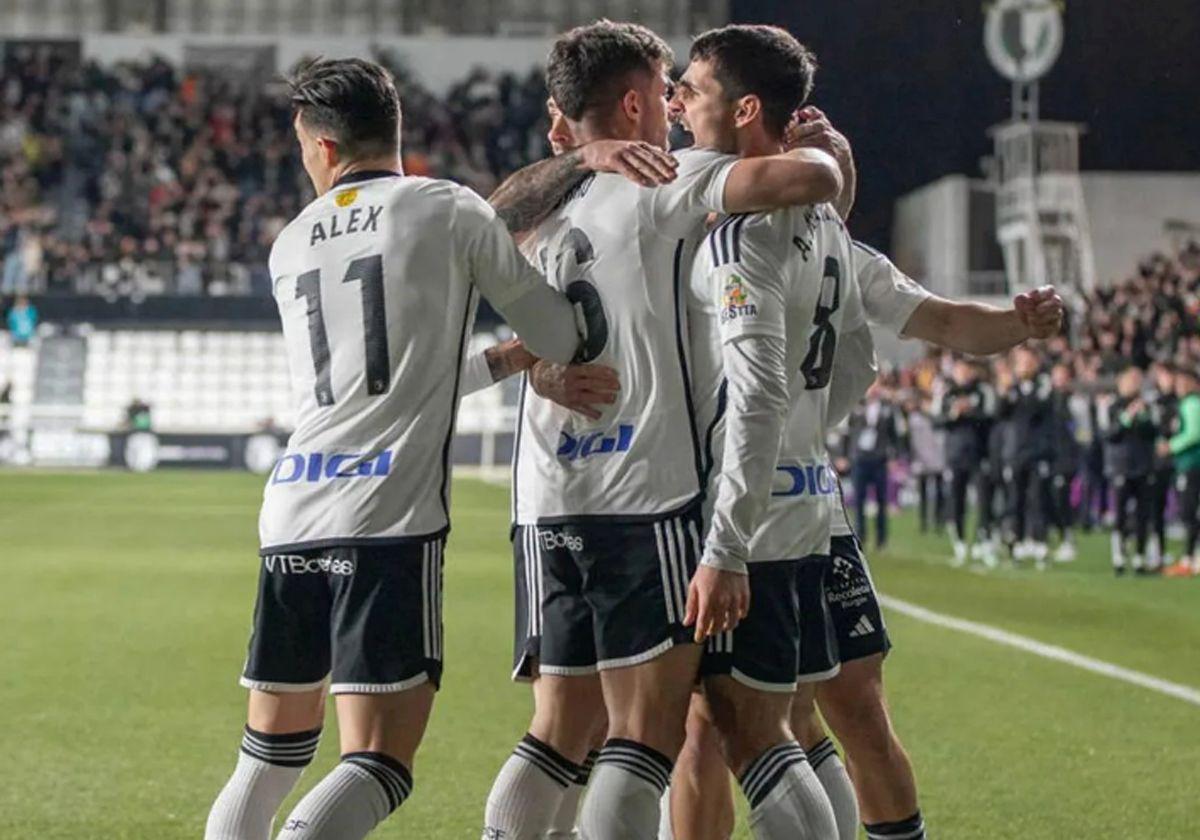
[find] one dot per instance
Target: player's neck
(752, 141)
(592, 128)
(380, 163)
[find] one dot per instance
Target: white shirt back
(376, 283)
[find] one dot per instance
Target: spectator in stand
(22, 321)
(137, 415)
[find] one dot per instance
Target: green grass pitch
(125, 602)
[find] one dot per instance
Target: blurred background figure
(872, 441)
(1164, 405)
(1184, 448)
(927, 449)
(1026, 407)
(22, 321)
(1064, 459)
(1130, 433)
(964, 410)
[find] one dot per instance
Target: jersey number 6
(573, 266)
(378, 364)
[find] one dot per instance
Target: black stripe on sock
(392, 776)
(547, 759)
(909, 828)
(287, 749)
(645, 762)
(821, 753)
(760, 778)
(585, 769)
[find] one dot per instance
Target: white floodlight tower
(1041, 218)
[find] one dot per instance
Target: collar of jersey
(365, 175)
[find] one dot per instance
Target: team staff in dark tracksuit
(1130, 433)
(1184, 447)
(1026, 406)
(873, 439)
(1165, 406)
(1065, 460)
(964, 409)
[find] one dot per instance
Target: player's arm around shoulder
(539, 313)
(797, 177)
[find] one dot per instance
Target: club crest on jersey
(320, 466)
(346, 198)
(735, 301)
(806, 480)
(572, 448)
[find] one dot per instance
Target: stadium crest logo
(345, 199)
(735, 302)
(1023, 37)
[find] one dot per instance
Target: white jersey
(376, 283)
(890, 297)
(789, 276)
(621, 252)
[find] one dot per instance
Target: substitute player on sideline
(376, 282)
(607, 509)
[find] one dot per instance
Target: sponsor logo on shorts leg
(298, 564)
(846, 586)
(863, 627)
(551, 540)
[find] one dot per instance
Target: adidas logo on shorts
(863, 627)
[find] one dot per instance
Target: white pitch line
(1058, 654)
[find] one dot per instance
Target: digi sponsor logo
(735, 301)
(319, 466)
(551, 540)
(571, 448)
(806, 480)
(298, 564)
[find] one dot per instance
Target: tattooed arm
(529, 194)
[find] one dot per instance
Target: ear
(631, 105)
(746, 110)
(329, 151)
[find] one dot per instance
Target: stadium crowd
(140, 179)
(1094, 428)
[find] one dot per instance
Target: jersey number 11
(378, 364)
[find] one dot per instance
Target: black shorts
(367, 619)
(786, 637)
(597, 595)
(806, 618)
(853, 603)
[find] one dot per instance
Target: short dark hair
(589, 66)
(765, 61)
(352, 100)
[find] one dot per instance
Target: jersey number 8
(822, 344)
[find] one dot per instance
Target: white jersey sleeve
(889, 296)
(854, 370)
(541, 314)
(698, 189)
(753, 334)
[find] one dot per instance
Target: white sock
(1118, 550)
(665, 830)
(562, 827)
(528, 791)
(626, 788)
(832, 775)
(356, 796)
(786, 799)
(267, 769)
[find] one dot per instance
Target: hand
(716, 602)
(579, 388)
(508, 357)
(810, 128)
(1041, 311)
(1163, 448)
(640, 162)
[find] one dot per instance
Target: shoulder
(695, 159)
